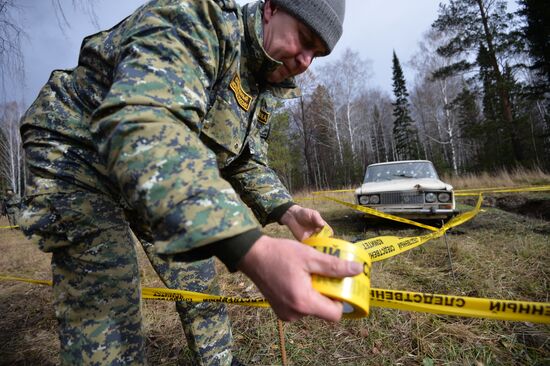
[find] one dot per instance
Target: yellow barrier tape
(492, 189)
(190, 296)
(535, 312)
(527, 311)
(28, 280)
(9, 227)
(502, 190)
(334, 191)
(374, 212)
(384, 247)
(377, 213)
(468, 190)
(167, 294)
(304, 199)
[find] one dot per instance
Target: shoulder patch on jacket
(241, 96)
(263, 116)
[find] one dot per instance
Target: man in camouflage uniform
(161, 131)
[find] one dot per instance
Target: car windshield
(405, 170)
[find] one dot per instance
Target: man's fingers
(327, 265)
(317, 305)
(325, 308)
(282, 271)
(317, 219)
(328, 230)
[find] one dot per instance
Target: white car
(409, 188)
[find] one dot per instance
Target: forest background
(479, 101)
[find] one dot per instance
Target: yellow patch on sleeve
(263, 116)
(243, 99)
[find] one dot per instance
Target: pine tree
(495, 135)
(468, 118)
(468, 114)
(484, 27)
(537, 35)
(491, 102)
(404, 133)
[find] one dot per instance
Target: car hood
(408, 184)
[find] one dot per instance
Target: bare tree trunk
(394, 152)
(449, 124)
(334, 124)
(318, 178)
(375, 142)
(348, 123)
(10, 147)
(306, 145)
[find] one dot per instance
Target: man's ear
(269, 10)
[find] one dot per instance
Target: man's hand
(282, 269)
(302, 222)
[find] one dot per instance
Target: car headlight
(444, 197)
(374, 199)
(364, 200)
(430, 197)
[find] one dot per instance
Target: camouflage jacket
(167, 109)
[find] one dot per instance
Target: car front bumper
(418, 213)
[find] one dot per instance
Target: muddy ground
(536, 206)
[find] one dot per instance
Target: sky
(373, 28)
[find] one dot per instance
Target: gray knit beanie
(324, 17)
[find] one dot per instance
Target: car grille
(396, 198)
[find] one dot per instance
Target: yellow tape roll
(354, 292)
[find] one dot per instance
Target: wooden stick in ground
(282, 342)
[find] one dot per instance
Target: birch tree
(432, 99)
(11, 161)
(345, 80)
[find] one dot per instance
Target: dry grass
(28, 328)
(498, 254)
(505, 178)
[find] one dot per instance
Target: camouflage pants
(97, 284)
(12, 215)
